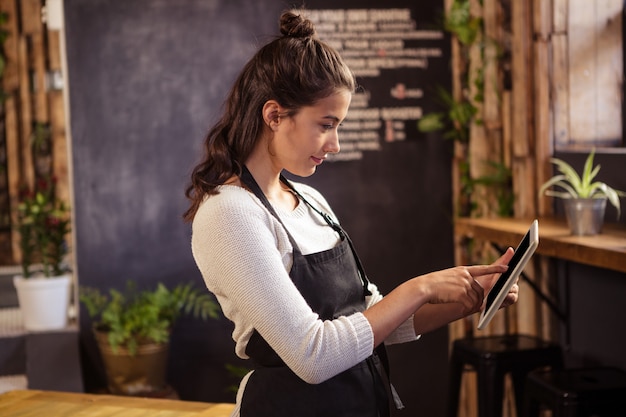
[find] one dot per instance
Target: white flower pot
(43, 301)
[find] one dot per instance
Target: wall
(593, 333)
(147, 78)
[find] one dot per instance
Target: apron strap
(342, 233)
(248, 180)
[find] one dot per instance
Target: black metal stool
(493, 357)
(580, 392)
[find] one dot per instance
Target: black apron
(333, 284)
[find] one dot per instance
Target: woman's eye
(328, 127)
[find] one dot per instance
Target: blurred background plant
(43, 225)
(133, 316)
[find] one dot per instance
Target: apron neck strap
(248, 180)
(337, 228)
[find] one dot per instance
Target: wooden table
(606, 250)
(32, 403)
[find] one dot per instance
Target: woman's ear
(271, 114)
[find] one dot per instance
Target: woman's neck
(268, 179)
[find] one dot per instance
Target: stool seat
(493, 357)
(580, 392)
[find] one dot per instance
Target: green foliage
(455, 121)
(43, 222)
(580, 186)
(135, 316)
(40, 138)
(460, 22)
(458, 115)
(501, 181)
(237, 372)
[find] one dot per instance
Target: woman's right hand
(459, 285)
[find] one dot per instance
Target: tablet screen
(517, 256)
(518, 261)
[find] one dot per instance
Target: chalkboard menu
(147, 79)
(389, 53)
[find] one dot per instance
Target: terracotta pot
(141, 374)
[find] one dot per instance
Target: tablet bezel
(508, 278)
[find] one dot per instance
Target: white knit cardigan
(244, 255)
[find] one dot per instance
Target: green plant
(43, 222)
(40, 138)
(580, 186)
(237, 372)
(461, 23)
(147, 315)
(455, 120)
(500, 180)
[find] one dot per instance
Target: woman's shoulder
(230, 201)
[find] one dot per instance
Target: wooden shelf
(606, 250)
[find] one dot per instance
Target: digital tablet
(520, 258)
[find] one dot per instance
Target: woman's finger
(480, 270)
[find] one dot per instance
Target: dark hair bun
(295, 26)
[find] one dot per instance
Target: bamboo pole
(543, 119)
(11, 126)
(31, 51)
(25, 115)
(10, 77)
(521, 77)
(38, 65)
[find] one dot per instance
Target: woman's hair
(297, 70)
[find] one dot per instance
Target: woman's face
(302, 142)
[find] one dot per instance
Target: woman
(274, 255)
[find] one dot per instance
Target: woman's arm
(437, 298)
(432, 316)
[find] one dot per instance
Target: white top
(244, 255)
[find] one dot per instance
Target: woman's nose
(332, 146)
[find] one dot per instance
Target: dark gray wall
(147, 78)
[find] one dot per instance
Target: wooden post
(11, 126)
(10, 78)
(543, 119)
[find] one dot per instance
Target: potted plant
(43, 288)
(584, 199)
(132, 330)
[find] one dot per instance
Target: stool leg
(531, 407)
(519, 378)
(454, 384)
(490, 390)
(569, 409)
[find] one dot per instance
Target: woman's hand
(488, 281)
(437, 298)
(462, 285)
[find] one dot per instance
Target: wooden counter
(31, 403)
(606, 250)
